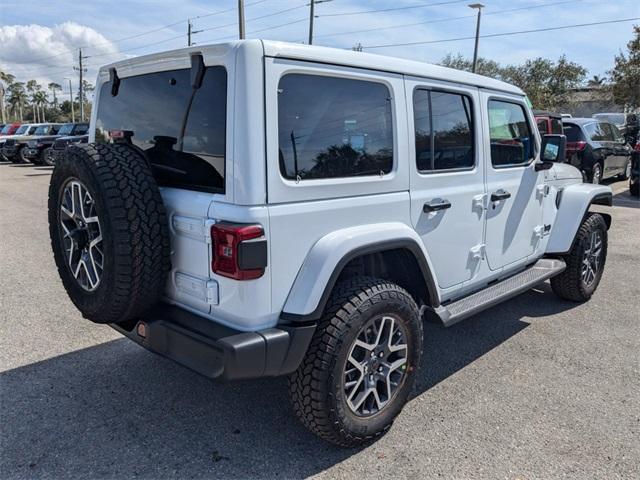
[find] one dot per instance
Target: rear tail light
(637, 147)
(239, 250)
(576, 146)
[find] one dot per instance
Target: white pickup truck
(260, 208)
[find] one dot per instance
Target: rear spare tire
(108, 231)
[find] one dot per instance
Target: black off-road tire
(46, 157)
(634, 189)
(315, 388)
(21, 157)
(570, 285)
(134, 229)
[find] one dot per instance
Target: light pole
(73, 115)
(479, 7)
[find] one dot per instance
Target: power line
(218, 27)
(391, 9)
(447, 19)
(227, 37)
(164, 27)
(492, 35)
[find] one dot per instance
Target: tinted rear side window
(572, 132)
(332, 127)
(444, 130)
(151, 109)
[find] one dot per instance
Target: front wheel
(585, 262)
(22, 156)
(361, 364)
(47, 157)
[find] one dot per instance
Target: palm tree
(40, 98)
(17, 97)
(596, 81)
(6, 79)
(55, 87)
(31, 88)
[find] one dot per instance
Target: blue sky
(36, 36)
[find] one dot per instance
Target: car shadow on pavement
(624, 199)
(115, 410)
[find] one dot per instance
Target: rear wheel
(361, 364)
(108, 231)
(585, 262)
(21, 156)
(596, 174)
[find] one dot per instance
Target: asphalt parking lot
(534, 388)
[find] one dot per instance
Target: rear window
(572, 132)
(556, 126)
(332, 127)
(150, 110)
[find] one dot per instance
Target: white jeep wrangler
(260, 208)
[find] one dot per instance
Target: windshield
(22, 129)
(615, 118)
(66, 129)
(150, 110)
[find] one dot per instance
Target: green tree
(6, 79)
(625, 76)
(546, 83)
(17, 99)
(596, 81)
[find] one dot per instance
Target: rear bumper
(216, 351)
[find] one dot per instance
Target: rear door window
(444, 131)
(512, 142)
(331, 127)
(150, 109)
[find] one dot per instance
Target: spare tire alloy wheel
(47, 157)
(81, 234)
(109, 232)
(376, 366)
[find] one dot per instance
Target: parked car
(7, 131)
(548, 122)
(634, 178)
(57, 151)
(13, 145)
(292, 209)
(627, 123)
(597, 148)
(37, 149)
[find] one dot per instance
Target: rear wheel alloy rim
(627, 171)
(596, 174)
(376, 366)
(591, 259)
(81, 235)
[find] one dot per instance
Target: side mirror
(554, 148)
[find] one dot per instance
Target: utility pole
(479, 7)
(241, 18)
(81, 70)
(73, 116)
(312, 5)
(191, 32)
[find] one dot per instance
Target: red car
(548, 123)
(9, 129)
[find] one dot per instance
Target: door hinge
(542, 190)
(538, 231)
(479, 202)
(478, 252)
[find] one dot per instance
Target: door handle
(499, 195)
(434, 207)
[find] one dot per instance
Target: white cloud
(49, 54)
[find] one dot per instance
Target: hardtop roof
(337, 56)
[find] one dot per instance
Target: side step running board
(499, 292)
